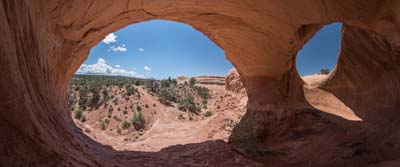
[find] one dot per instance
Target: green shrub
(78, 114)
(126, 125)
(138, 120)
(208, 114)
(181, 117)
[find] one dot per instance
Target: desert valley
(148, 115)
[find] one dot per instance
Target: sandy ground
(326, 101)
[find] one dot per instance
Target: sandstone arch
(44, 42)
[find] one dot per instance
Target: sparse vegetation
(126, 125)
(116, 97)
(208, 114)
(181, 117)
(138, 121)
(79, 114)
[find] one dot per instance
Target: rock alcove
(44, 42)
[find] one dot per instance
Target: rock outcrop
(210, 80)
(234, 82)
(44, 43)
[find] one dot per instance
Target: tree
(174, 82)
(325, 71)
(94, 100)
(105, 95)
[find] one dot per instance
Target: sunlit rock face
(234, 82)
(44, 42)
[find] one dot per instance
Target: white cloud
(146, 68)
(118, 66)
(141, 49)
(102, 68)
(119, 48)
(110, 38)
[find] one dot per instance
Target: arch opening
(156, 84)
(319, 55)
(315, 63)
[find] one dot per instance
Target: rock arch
(44, 42)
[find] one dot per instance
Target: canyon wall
(44, 43)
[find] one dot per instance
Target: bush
(126, 125)
(208, 114)
(103, 125)
(147, 106)
(138, 108)
(116, 118)
(187, 104)
(78, 114)
(181, 117)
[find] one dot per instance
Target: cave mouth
(156, 84)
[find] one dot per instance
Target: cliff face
(44, 42)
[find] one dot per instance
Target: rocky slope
(165, 125)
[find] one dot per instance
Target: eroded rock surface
(234, 82)
(44, 42)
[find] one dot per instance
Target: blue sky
(321, 51)
(158, 49)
